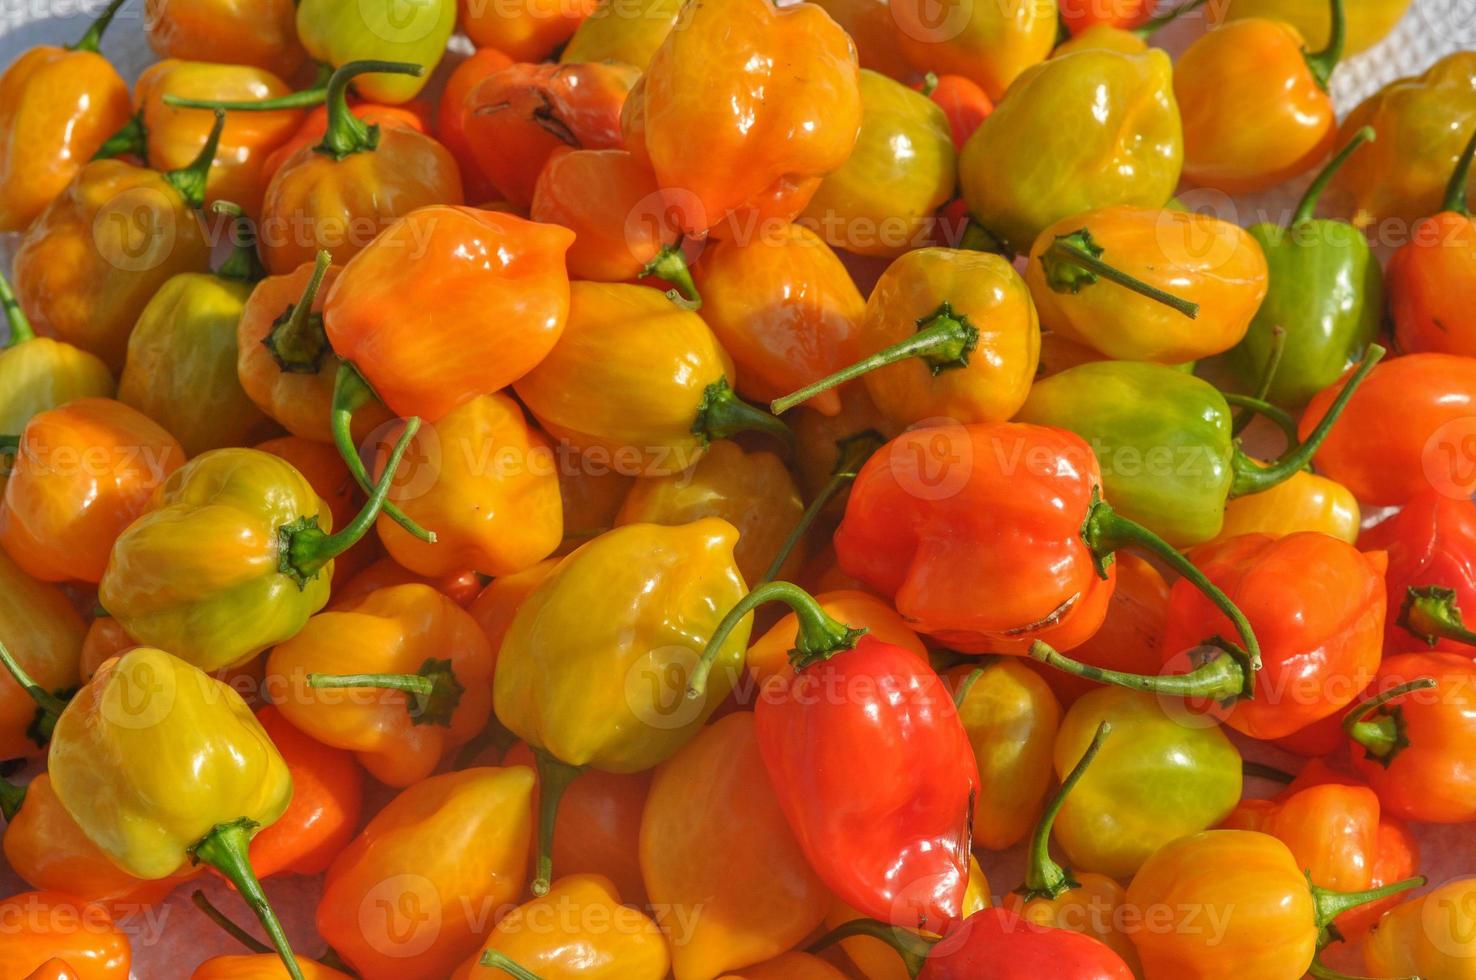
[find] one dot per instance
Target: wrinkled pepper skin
(208, 762)
(1429, 936)
(1154, 781)
(379, 30)
(1415, 409)
(1423, 123)
(744, 108)
(668, 589)
(1306, 502)
(43, 632)
(1430, 542)
(991, 44)
(88, 286)
(412, 894)
(1369, 21)
(786, 309)
(404, 630)
(502, 296)
(996, 944)
(756, 900)
(1194, 256)
(526, 30)
(489, 492)
(81, 474)
(57, 107)
(327, 797)
(450, 128)
(262, 33)
(903, 168)
(878, 788)
(1021, 173)
(47, 926)
(622, 32)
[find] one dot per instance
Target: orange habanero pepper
(315, 126)
(1432, 278)
(450, 126)
(527, 30)
(41, 631)
(262, 33)
(987, 43)
(48, 925)
(462, 587)
(261, 966)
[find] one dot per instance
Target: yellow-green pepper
(38, 374)
(620, 31)
(339, 31)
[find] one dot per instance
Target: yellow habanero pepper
(336, 33)
(232, 556)
(38, 374)
(1306, 502)
(161, 765)
(1369, 21)
(602, 683)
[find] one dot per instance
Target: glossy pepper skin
(1277, 925)
(903, 168)
(237, 32)
(1412, 409)
(997, 944)
(526, 30)
(43, 632)
(768, 655)
(1431, 542)
(639, 379)
(785, 308)
(760, 897)
(1048, 153)
(39, 373)
(327, 798)
(231, 557)
(336, 34)
(57, 107)
(518, 118)
(407, 631)
(989, 44)
(626, 33)
(1194, 257)
(1326, 281)
(1368, 20)
(80, 475)
(49, 925)
(342, 192)
(1432, 278)
(1422, 123)
(1305, 502)
(1428, 936)
(490, 493)
(786, 87)
(427, 869)
(502, 296)
(450, 127)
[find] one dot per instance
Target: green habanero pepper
(340, 31)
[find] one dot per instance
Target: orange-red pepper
(450, 127)
(526, 30)
(262, 33)
(1432, 278)
(47, 925)
(327, 796)
(43, 633)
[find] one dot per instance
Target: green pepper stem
(1262, 771)
(93, 38)
(943, 340)
(1223, 676)
(1331, 904)
(305, 99)
(929, 84)
(1149, 28)
(243, 264)
(1325, 61)
(20, 325)
(910, 946)
(854, 450)
(225, 848)
(1281, 418)
(190, 179)
(670, 264)
(132, 138)
(347, 134)
(1074, 261)
(1383, 737)
(1252, 477)
(965, 685)
(226, 925)
(1044, 878)
(722, 414)
(1308, 206)
(1105, 531)
(11, 798)
(1430, 613)
(1263, 390)
(554, 777)
(436, 688)
(350, 393)
(305, 548)
(1455, 191)
(49, 707)
(498, 960)
(820, 636)
(297, 341)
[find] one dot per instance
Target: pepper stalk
(436, 690)
(49, 705)
(1455, 191)
(1308, 205)
(498, 960)
(15, 317)
(190, 179)
(1378, 726)
(554, 777)
(854, 451)
(296, 340)
(1325, 61)
(350, 393)
(912, 947)
(1074, 261)
(1044, 878)
(722, 413)
(243, 264)
(1430, 613)
(225, 849)
(670, 264)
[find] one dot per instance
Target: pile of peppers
(681, 490)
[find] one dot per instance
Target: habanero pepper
(497, 603)
(327, 798)
(1321, 638)
(527, 30)
(323, 468)
(624, 32)
(1431, 544)
(46, 926)
(1429, 936)
(163, 766)
(594, 688)
(81, 474)
(639, 378)
(83, 274)
(259, 967)
(871, 27)
(1432, 278)
(1368, 20)
(963, 103)
(788, 966)
(41, 632)
(230, 557)
(262, 33)
(180, 369)
(434, 866)
(788, 86)
(592, 491)
(754, 898)
(398, 677)
(378, 30)
(1305, 502)
(989, 44)
(768, 655)
(315, 126)
(450, 127)
(869, 762)
(38, 373)
(58, 105)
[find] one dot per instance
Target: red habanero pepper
(992, 536)
(1431, 544)
(450, 126)
(1321, 636)
(871, 765)
(1432, 279)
